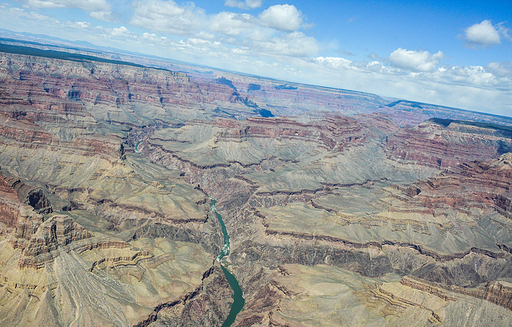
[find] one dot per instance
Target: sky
(452, 53)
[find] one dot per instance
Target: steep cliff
(338, 215)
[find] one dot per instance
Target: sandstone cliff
(338, 216)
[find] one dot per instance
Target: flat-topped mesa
(432, 144)
(276, 121)
(31, 68)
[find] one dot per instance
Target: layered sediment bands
(25, 133)
(282, 98)
(137, 277)
(497, 292)
(448, 231)
(30, 195)
(58, 231)
(210, 242)
(278, 147)
(409, 113)
(370, 227)
(442, 146)
(204, 306)
(333, 220)
(63, 125)
(472, 186)
(56, 91)
(457, 269)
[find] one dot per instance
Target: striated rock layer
(337, 216)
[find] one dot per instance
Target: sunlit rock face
(342, 208)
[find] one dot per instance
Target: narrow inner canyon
(238, 299)
(172, 196)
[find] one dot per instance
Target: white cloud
(121, 31)
(229, 23)
(88, 5)
(80, 25)
(295, 44)
(270, 44)
(33, 17)
(420, 61)
(150, 37)
(247, 4)
(485, 34)
(105, 16)
(44, 4)
(464, 75)
(501, 69)
(282, 17)
(169, 17)
(267, 34)
(334, 62)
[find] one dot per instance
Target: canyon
(342, 208)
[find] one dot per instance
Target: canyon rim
(121, 181)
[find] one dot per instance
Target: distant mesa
(285, 87)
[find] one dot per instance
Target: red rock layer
(333, 132)
(52, 84)
(485, 185)
(58, 231)
(434, 145)
(38, 238)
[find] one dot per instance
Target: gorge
(238, 299)
(338, 208)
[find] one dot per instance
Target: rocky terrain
(342, 208)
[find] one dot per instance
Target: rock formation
(341, 209)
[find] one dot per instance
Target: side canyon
(342, 208)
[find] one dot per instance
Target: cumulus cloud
(121, 31)
(420, 61)
(333, 62)
(98, 9)
(272, 33)
(485, 34)
(247, 4)
(80, 25)
(464, 75)
(501, 69)
(105, 16)
(88, 5)
(294, 44)
(45, 4)
(282, 17)
(33, 17)
(229, 23)
(167, 16)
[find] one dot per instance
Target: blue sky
(454, 53)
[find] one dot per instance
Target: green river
(137, 147)
(238, 299)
